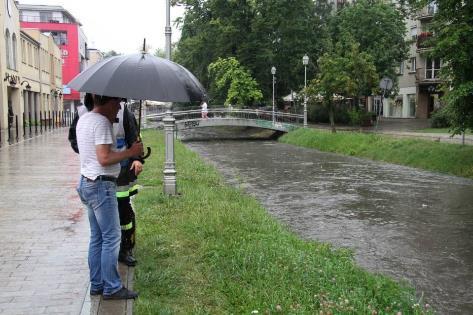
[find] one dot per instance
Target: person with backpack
(125, 130)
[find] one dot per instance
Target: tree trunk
(331, 116)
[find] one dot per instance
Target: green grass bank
(447, 158)
(216, 250)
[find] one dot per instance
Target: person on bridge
(125, 132)
(204, 109)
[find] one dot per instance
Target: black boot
(127, 258)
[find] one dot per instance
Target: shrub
(440, 118)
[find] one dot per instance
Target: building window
(36, 57)
(30, 54)
(45, 16)
(14, 51)
(432, 68)
(8, 48)
(414, 32)
(432, 8)
(411, 102)
(23, 51)
(60, 38)
(400, 69)
(413, 65)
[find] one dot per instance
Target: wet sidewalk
(44, 232)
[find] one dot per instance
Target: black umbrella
(140, 76)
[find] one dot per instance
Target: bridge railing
(223, 113)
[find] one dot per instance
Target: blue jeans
(100, 199)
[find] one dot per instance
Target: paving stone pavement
(44, 232)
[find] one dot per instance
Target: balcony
(427, 76)
(428, 12)
(423, 41)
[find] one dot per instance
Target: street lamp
(273, 72)
(169, 181)
(305, 62)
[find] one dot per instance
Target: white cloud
(120, 25)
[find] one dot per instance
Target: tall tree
(379, 28)
(343, 72)
(235, 82)
(452, 26)
(453, 44)
(259, 33)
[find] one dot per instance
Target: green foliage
(440, 118)
(453, 159)
(344, 72)
(379, 28)
(452, 42)
(235, 81)
(318, 113)
(159, 52)
(216, 250)
(259, 34)
(356, 117)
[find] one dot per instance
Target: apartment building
(67, 34)
(30, 64)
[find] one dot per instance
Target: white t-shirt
(94, 129)
(204, 107)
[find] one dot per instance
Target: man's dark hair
(89, 101)
(102, 99)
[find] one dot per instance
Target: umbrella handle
(148, 153)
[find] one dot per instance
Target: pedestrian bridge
(191, 119)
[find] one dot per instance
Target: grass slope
(215, 250)
(452, 159)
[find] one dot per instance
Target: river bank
(216, 250)
(446, 158)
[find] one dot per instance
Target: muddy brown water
(409, 224)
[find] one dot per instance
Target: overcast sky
(118, 24)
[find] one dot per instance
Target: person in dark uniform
(126, 132)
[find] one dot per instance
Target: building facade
(30, 64)
(66, 32)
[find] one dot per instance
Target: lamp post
(305, 62)
(273, 72)
(169, 182)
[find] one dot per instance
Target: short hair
(100, 100)
(89, 101)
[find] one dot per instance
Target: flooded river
(402, 222)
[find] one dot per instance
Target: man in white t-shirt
(99, 167)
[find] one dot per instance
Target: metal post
(16, 127)
(24, 125)
(29, 119)
(273, 72)
(305, 62)
(169, 165)
(274, 119)
(169, 182)
(305, 96)
(167, 30)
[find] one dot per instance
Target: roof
(42, 7)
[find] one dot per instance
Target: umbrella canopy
(140, 76)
